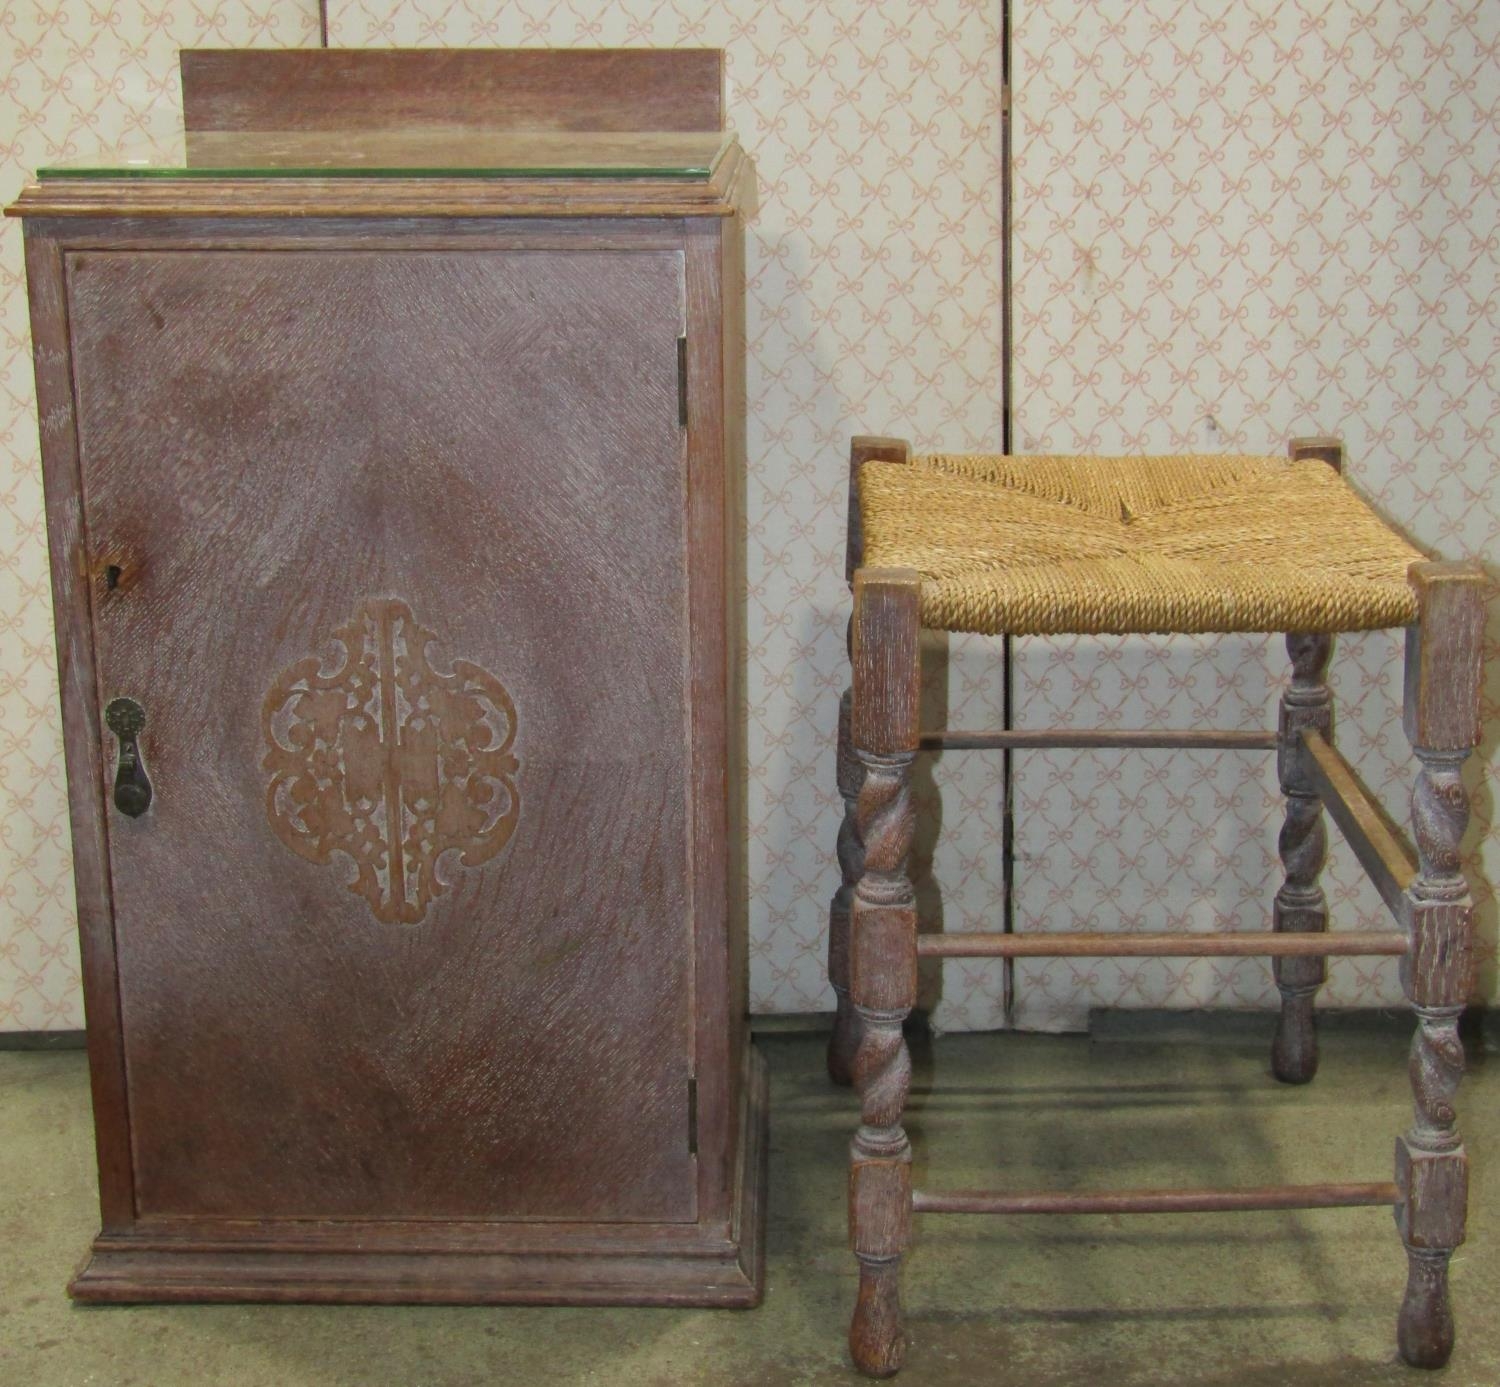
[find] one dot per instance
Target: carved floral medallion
(384, 762)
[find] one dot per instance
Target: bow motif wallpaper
(1235, 224)
(1228, 227)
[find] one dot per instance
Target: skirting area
(1241, 1299)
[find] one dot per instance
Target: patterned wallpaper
(1237, 223)
(1229, 227)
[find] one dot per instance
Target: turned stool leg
(1307, 705)
(1442, 724)
(845, 1039)
(1300, 904)
(883, 963)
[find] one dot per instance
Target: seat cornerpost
(850, 775)
(1320, 448)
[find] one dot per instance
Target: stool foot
(1294, 1051)
(876, 1340)
(1424, 1331)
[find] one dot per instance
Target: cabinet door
(389, 548)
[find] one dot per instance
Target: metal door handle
(125, 718)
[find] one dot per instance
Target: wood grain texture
(1082, 739)
(1442, 677)
(1434, 1191)
(1439, 967)
(1184, 1201)
(885, 728)
(230, 231)
(1444, 658)
(880, 1207)
(488, 88)
(844, 1040)
(1300, 906)
(728, 237)
(333, 485)
(69, 553)
(393, 1263)
(880, 1230)
(721, 997)
(458, 151)
(885, 714)
(1173, 944)
(247, 482)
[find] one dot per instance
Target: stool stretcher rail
(1251, 944)
(1325, 1196)
(1366, 827)
(1071, 739)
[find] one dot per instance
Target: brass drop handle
(125, 718)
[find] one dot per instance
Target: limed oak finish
(874, 944)
(394, 535)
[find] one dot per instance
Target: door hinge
(692, 1115)
(682, 382)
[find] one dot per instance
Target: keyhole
(112, 577)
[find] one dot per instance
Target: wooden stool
(1045, 545)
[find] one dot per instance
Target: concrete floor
(1245, 1299)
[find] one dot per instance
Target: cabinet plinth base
(626, 1269)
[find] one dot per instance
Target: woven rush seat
(1054, 545)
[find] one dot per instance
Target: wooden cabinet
(393, 522)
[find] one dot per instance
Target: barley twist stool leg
(1431, 1164)
(1300, 904)
(1432, 1168)
(884, 989)
(1432, 1174)
(845, 1039)
(883, 962)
